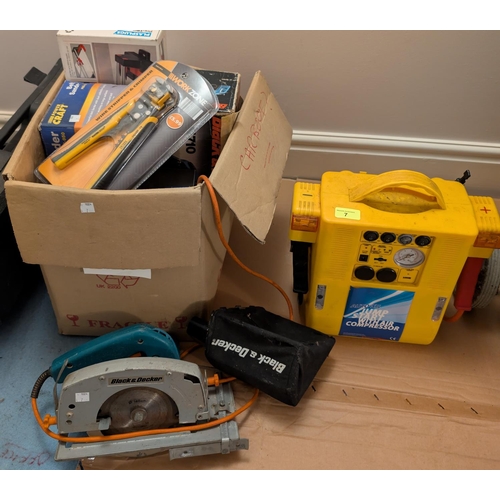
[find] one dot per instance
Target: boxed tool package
(111, 258)
(109, 56)
(130, 139)
(74, 106)
(78, 102)
(203, 149)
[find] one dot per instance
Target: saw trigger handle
(141, 339)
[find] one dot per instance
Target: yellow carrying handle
(406, 181)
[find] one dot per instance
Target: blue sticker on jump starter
(376, 313)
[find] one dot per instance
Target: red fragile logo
(180, 323)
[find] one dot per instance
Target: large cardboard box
(113, 258)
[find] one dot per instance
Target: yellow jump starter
(379, 256)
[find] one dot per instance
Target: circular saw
(136, 406)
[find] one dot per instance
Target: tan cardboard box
(113, 258)
(373, 405)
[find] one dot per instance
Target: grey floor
(29, 342)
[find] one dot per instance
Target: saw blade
(139, 409)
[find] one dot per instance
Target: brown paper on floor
(373, 404)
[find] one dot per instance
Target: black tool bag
(274, 354)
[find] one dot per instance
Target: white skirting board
(4, 117)
(313, 153)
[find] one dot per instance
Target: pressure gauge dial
(409, 257)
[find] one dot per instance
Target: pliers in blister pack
(128, 127)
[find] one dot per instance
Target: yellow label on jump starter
(347, 213)
(388, 268)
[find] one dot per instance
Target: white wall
(371, 100)
(19, 52)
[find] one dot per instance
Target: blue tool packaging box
(75, 104)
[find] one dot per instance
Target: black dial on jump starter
(370, 235)
(364, 273)
(422, 241)
(386, 275)
(388, 237)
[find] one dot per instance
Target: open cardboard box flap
(251, 165)
(147, 228)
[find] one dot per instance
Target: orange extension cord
(49, 420)
(218, 221)
(455, 317)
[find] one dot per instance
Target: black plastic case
(274, 354)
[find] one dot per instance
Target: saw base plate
(223, 438)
